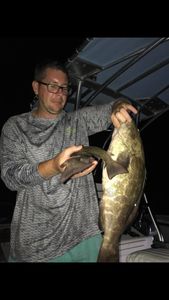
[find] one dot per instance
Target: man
(52, 221)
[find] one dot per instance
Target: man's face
(51, 100)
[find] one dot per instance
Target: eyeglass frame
(58, 86)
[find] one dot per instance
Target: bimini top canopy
(104, 69)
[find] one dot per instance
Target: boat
(105, 69)
(102, 70)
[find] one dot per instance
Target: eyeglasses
(54, 88)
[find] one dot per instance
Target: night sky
(18, 58)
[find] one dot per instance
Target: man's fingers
(131, 108)
(125, 115)
(122, 115)
(115, 121)
(73, 149)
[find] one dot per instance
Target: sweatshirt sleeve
(16, 170)
(97, 118)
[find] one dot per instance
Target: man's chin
(55, 111)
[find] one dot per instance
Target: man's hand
(56, 165)
(66, 154)
(63, 156)
(121, 110)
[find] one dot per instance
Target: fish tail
(108, 254)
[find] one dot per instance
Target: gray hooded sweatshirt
(49, 217)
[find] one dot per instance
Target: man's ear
(35, 86)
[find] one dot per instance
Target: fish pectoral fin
(123, 159)
(115, 169)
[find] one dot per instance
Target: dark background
(18, 58)
(19, 54)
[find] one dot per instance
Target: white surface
(149, 255)
(130, 244)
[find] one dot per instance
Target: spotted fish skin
(122, 193)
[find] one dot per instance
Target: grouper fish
(123, 179)
(122, 193)
(122, 184)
